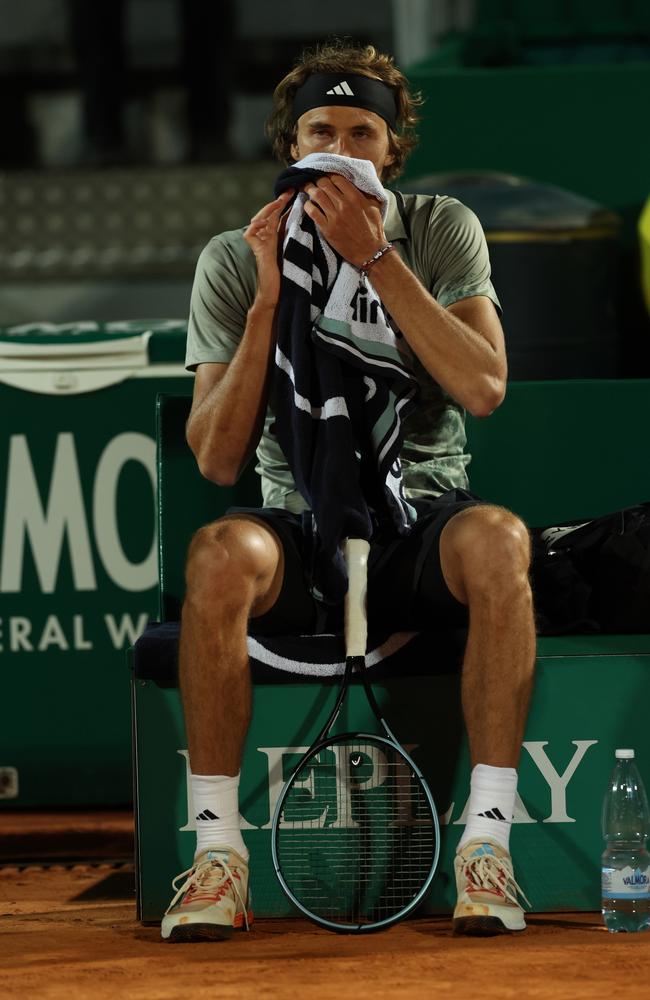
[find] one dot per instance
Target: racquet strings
(356, 839)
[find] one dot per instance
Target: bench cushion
(287, 659)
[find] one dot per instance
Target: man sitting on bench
(456, 561)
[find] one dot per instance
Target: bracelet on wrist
(367, 264)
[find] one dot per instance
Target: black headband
(348, 90)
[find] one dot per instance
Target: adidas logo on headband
(342, 89)
(321, 89)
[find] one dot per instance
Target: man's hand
(263, 235)
(349, 220)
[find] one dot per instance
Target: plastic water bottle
(626, 862)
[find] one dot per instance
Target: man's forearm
(225, 427)
(459, 358)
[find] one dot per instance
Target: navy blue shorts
(406, 587)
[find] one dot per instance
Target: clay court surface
(70, 930)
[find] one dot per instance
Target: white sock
(216, 809)
(491, 805)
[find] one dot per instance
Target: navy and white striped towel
(343, 383)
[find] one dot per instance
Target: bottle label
(633, 883)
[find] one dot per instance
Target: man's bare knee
(485, 548)
(232, 559)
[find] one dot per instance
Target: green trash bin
(78, 552)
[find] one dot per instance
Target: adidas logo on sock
(493, 814)
(343, 89)
(206, 814)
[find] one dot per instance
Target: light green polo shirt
(445, 247)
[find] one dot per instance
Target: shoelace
(205, 876)
(484, 872)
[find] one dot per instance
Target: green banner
(78, 580)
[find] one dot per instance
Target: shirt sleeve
(222, 293)
(458, 258)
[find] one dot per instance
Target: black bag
(594, 576)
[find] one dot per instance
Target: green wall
(584, 128)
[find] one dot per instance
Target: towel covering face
(343, 383)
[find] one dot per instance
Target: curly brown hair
(339, 56)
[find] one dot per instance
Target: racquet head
(356, 836)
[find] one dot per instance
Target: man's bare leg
(234, 571)
(485, 557)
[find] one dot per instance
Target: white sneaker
(212, 901)
(488, 895)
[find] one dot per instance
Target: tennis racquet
(355, 835)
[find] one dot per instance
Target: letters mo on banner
(63, 534)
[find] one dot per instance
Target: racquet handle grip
(356, 624)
